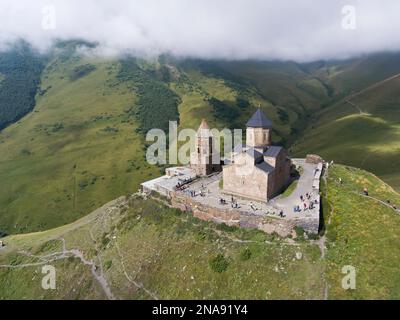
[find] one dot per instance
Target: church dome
(259, 120)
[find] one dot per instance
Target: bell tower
(258, 132)
(205, 160)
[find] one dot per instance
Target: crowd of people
(306, 203)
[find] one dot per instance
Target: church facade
(258, 170)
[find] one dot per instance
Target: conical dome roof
(204, 125)
(204, 129)
(259, 120)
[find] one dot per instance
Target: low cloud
(301, 30)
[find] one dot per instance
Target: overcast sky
(300, 30)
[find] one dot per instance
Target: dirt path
(355, 106)
(135, 283)
(65, 254)
(373, 86)
(378, 200)
(356, 94)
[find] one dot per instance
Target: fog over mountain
(301, 30)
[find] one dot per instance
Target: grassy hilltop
(144, 250)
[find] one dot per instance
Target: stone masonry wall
(230, 217)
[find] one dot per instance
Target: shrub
(245, 254)
(219, 263)
(81, 71)
(107, 264)
(226, 228)
(83, 184)
(25, 152)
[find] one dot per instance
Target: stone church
(258, 170)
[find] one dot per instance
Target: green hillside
(369, 140)
(294, 94)
(353, 75)
(144, 250)
(76, 151)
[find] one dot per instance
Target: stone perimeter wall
(230, 217)
(234, 217)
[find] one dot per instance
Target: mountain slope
(364, 132)
(345, 77)
(77, 150)
(144, 250)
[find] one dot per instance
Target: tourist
(301, 198)
(365, 192)
(281, 213)
(305, 206)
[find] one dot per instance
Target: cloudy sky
(300, 30)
